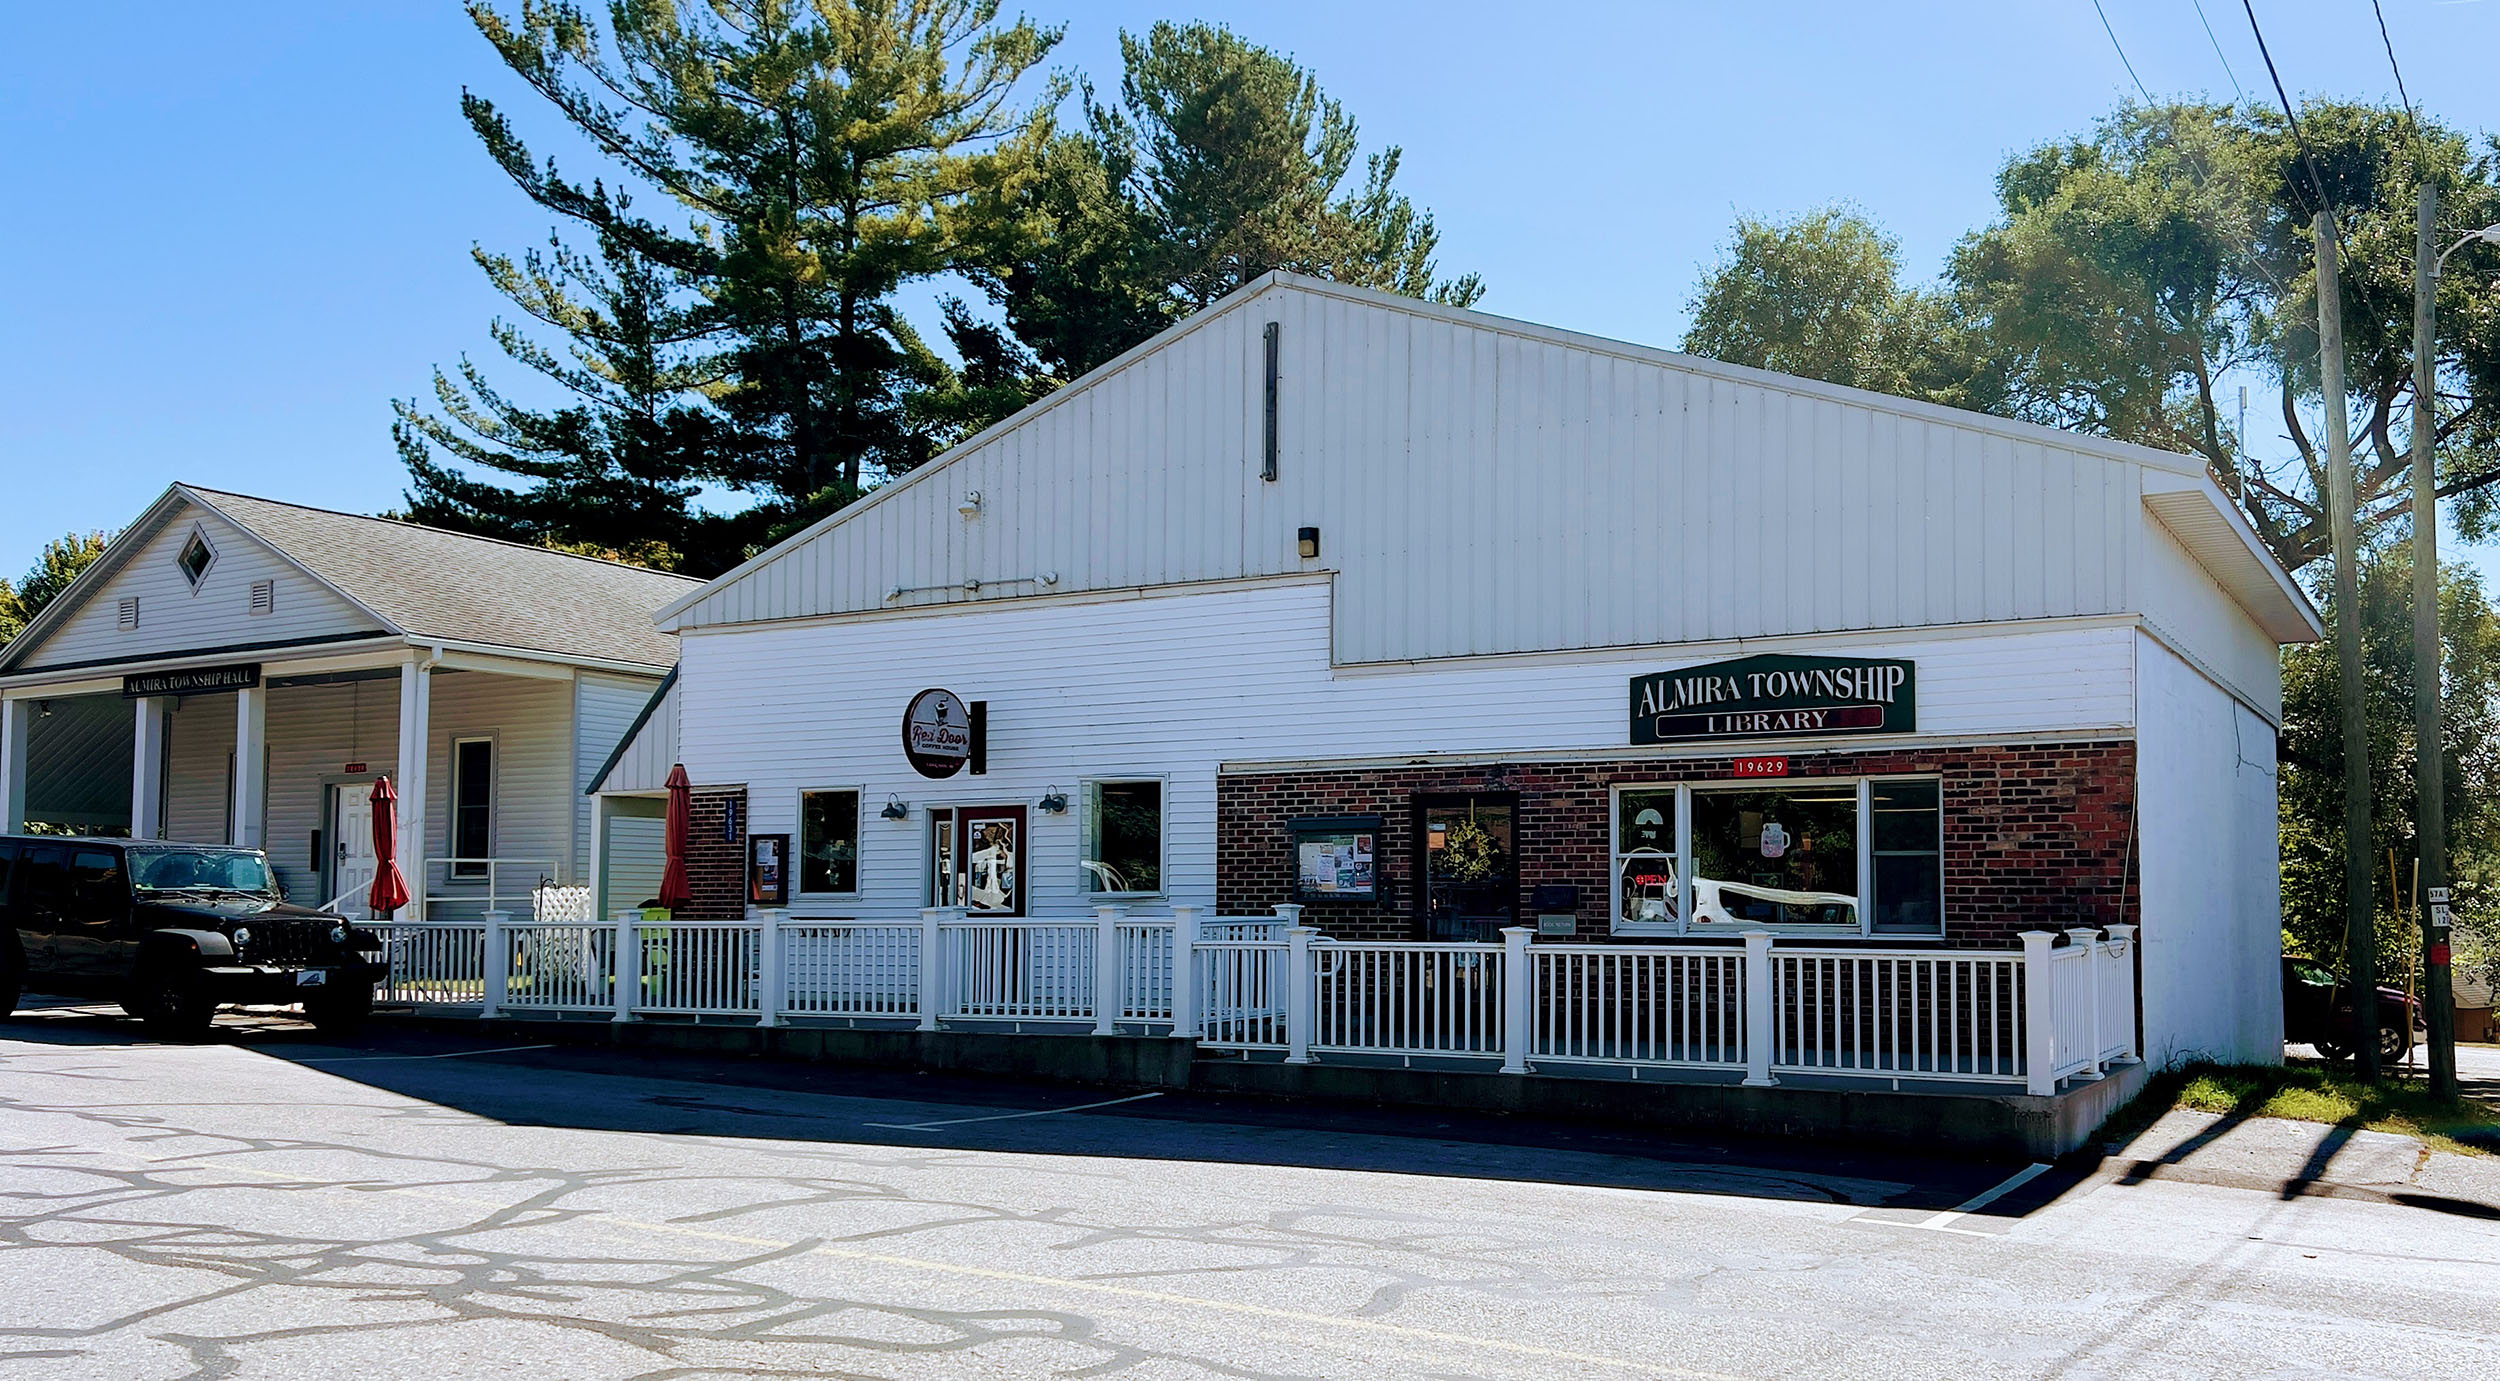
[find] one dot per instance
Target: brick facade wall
(716, 859)
(2035, 835)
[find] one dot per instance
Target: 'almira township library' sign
(1775, 697)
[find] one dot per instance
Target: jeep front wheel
(174, 1004)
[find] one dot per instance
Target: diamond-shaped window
(195, 558)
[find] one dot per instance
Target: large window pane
(1470, 866)
(1784, 856)
(828, 841)
(1124, 837)
(1909, 863)
(1645, 856)
(472, 805)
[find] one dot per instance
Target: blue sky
(236, 232)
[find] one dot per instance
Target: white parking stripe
(1007, 1116)
(1943, 1222)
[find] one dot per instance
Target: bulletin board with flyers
(1336, 858)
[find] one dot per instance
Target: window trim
(451, 804)
(798, 837)
(198, 530)
(1684, 793)
(1085, 796)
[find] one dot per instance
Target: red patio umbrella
(390, 890)
(674, 892)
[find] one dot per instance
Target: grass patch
(2313, 1091)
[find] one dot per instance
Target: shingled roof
(432, 583)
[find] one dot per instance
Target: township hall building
(1470, 639)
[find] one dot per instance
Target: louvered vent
(130, 611)
(264, 596)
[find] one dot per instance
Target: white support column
(1761, 1010)
(1298, 993)
(16, 721)
(627, 949)
(768, 961)
(1109, 992)
(2039, 1015)
(930, 936)
(147, 769)
(498, 963)
(1866, 855)
(2086, 939)
(2122, 954)
(251, 765)
(1518, 983)
(1185, 973)
(416, 703)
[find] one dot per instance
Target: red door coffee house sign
(1773, 696)
(937, 733)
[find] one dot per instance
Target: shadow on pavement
(681, 1095)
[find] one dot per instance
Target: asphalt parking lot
(418, 1203)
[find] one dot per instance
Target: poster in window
(1336, 859)
(768, 869)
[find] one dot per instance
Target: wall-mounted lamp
(43, 709)
(1054, 802)
(971, 506)
(1308, 540)
(894, 809)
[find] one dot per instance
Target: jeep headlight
(338, 935)
(243, 935)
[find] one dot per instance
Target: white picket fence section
(2027, 1018)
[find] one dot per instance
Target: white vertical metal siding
(1483, 488)
(645, 762)
(603, 710)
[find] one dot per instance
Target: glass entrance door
(976, 859)
(1469, 865)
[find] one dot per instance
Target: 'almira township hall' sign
(1775, 697)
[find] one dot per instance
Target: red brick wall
(716, 860)
(2035, 835)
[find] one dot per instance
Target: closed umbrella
(674, 892)
(390, 890)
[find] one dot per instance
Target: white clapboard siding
(531, 721)
(1172, 685)
(175, 618)
(604, 708)
(314, 733)
(1483, 486)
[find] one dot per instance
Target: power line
(2122, 52)
(2316, 178)
(2390, 44)
(2236, 93)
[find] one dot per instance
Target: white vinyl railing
(467, 888)
(2027, 1018)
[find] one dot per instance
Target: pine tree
(825, 154)
(617, 468)
(1222, 161)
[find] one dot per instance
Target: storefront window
(1841, 853)
(1123, 837)
(1909, 857)
(828, 841)
(1470, 865)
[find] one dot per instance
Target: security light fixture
(971, 506)
(1308, 540)
(894, 809)
(2489, 235)
(1054, 802)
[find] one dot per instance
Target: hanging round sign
(937, 734)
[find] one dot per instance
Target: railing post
(1290, 913)
(2122, 949)
(497, 962)
(773, 990)
(1761, 1010)
(2039, 1015)
(1297, 991)
(625, 962)
(928, 996)
(2087, 940)
(1518, 984)
(1185, 972)
(1109, 994)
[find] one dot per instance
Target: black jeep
(172, 932)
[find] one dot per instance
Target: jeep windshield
(200, 872)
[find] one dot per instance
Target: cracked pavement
(419, 1204)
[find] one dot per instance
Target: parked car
(2317, 1010)
(172, 932)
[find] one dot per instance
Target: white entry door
(351, 848)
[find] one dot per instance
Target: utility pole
(2360, 906)
(2431, 815)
